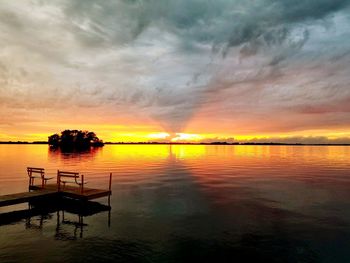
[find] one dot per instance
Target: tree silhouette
(75, 139)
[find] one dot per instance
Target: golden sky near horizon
(190, 70)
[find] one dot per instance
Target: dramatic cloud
(200, 66)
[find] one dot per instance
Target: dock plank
(74, 192)
(50, 190)
(13, 199)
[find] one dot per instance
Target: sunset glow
(139, 71)
(174, 131)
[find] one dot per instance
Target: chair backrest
(74, 175)
(67, 174)
(31, 170)
(61, 174)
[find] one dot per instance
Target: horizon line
(195, 143)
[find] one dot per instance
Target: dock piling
(82, 183)
(110, 189)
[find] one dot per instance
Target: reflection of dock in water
(67, 227)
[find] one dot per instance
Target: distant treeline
(76, 139)
(182, 143)
(187, 143)
(226, 143)
(24, 142)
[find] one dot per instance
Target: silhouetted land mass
(40, 142)
(229, 143)
(11, 142)
(189, 143)
(74, 139)
(23, 142)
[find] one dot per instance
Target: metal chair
(34, 172)
(70, 177)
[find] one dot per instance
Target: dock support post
(109, 199)
(82, 183)
(42, 179)
(31, 179)
(58, 180)
(110, 182)
(30, 184)
(110, 189)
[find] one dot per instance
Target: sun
(159, 135)
(187, 137)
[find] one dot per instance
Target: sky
(176, 70)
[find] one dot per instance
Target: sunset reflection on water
(196, 202)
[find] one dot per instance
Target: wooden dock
(51, 191)
(14, 199)
(74, 192)
(62, 189)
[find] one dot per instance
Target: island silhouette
(75, 139)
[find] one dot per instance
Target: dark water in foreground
(188, 204)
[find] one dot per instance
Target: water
(188, 204)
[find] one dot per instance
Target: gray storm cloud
(169, 59)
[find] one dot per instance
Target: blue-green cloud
(168, 59)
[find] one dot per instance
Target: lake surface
(188, 203)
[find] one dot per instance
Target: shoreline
(175, 143)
